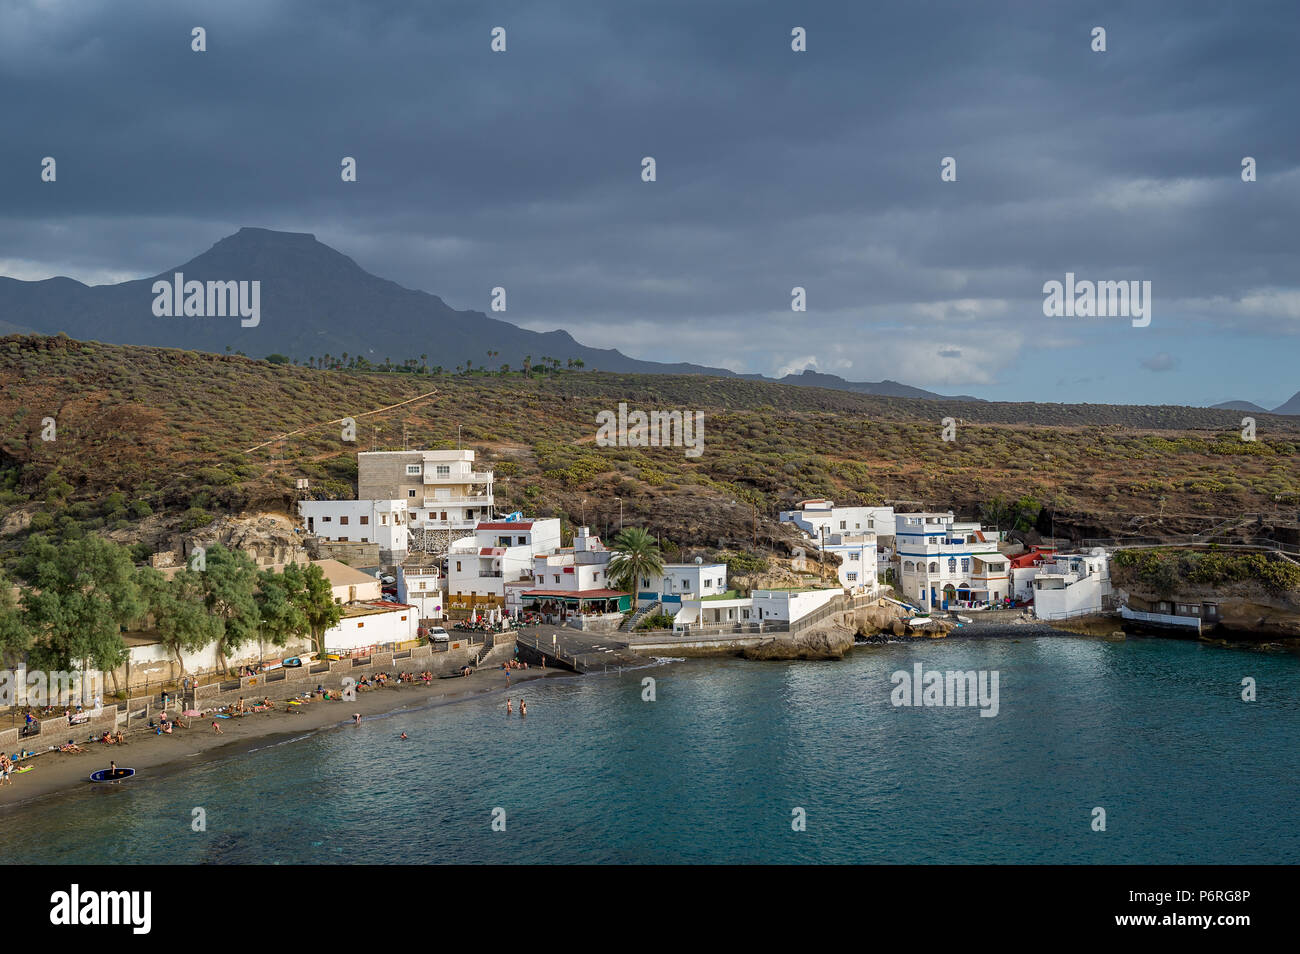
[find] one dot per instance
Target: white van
(438, 634)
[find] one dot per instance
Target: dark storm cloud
(775, 169)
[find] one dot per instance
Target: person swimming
(403, 735)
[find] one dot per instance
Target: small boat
(962, 619)
(112, 775)
(918, 621)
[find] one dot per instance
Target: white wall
(388, 626)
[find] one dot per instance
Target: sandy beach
(151, 754)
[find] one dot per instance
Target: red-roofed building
(499, 552)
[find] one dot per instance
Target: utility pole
(620, 514)
(457, 437)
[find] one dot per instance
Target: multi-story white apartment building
(441, 488)
(499, 552)
(858, 562)
(947, 564)
(1072, 585)
(684, 581)
(821, 518)
(359, 521)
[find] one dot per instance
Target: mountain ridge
(310, 309)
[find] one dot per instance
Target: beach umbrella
(191, 712)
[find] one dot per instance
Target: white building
(441, 488)
(349, 585)
(821, 518)
(498, 553)
(1075, 584)
(858, 559)
(365, 625)
(761, 606)
(421, 587)
(684, 581)
(947, 564)
(359, 521)
(574, 581)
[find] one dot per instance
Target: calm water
(1153, 731)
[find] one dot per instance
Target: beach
(151, 754)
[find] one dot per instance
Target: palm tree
(636, 555)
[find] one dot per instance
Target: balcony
(490, 574)
(468, 477)
(433, 503)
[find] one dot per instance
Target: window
(934, 566)
(365, 521)
(909, 566)
(423, 584)
(326, 519)
(853, 557)
(413, 470)
(965, 564)
(410, 493)
(343, 539)
(343, 521)
(383, 519)
(444, 470)
(557, 578)
(523, 541)
(403, 619)
(457, 566)
(952, 564)
(361, 624)
(851, 577)
(444, 515)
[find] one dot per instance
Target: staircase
(642, 611)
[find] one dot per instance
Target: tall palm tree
(636, 555)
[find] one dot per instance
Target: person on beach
(356, 718)
(239, 706)
(523, 708)
(403, 735)
(5, 766)
(509, 708)
(216, 727)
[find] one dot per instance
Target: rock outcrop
(822, 642)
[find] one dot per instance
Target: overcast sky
(775, 169)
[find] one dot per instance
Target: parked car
(389, 598)
(387, 580)
(438, 634)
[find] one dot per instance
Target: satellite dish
(699, 560)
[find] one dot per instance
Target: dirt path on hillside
(340, 420)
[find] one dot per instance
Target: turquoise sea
(1153, 731)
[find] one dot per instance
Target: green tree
(279, 605)
(230, 594)
(180, 615)
(80, 595)
(315, 599)
(14, 636)
(636, 555)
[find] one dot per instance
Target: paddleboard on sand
(218, 715)
(25, 768)
(109, 775)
